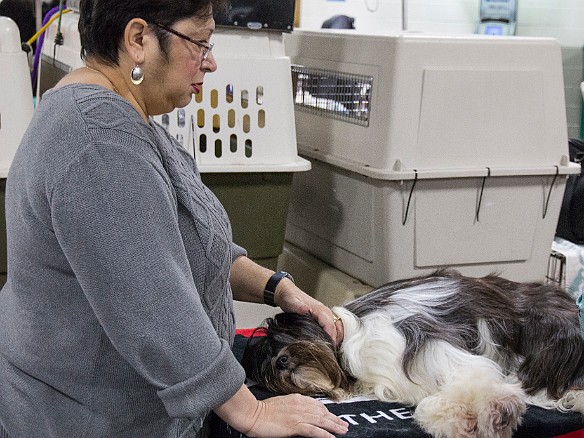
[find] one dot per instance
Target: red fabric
(249, 332)
(576, 434)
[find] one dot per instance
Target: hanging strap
(481, 194)
(405, 218)
(547, 201)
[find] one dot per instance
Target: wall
(560, 19)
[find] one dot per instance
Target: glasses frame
(207, 47)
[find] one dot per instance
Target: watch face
(258, 14)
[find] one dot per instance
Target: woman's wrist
(275, 285)
(281, 290)
(241, 411)
(248, 280)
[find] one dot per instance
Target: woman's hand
(293, 300)
(283, 416)
(292, 415)
(248, 280)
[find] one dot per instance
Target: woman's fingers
(295, 414)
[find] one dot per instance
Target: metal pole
(404, 15)
(38, 14)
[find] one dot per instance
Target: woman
(116, 319)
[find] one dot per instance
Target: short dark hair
(102, 22)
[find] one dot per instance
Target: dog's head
(296, 356)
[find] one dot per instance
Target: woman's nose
(209, 65)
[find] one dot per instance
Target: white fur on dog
(457, 393)
(445, 381)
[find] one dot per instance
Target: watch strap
(272, 284)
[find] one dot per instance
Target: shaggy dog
(469, 353)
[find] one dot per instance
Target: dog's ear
(257, 355)
(286, 328)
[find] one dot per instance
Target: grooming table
(374, 419)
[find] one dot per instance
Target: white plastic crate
(432, 102)
(428, 152)
(243, 120)
(16, 103)
(380, 230)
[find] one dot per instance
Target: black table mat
(375, 419)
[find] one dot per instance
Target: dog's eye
(282, 362)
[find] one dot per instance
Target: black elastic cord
(481, 194)
(405, 219)
(547, 201)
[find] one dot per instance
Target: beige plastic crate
(429, 102)
(243, 120)
(428, 151)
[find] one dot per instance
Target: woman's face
(174, 80)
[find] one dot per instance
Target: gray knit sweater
(117, 317)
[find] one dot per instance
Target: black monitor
(258, 14)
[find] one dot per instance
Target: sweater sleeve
(114, 215)
(236, 250)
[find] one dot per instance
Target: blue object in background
(497, 17)
(494, 30)
(339, 22)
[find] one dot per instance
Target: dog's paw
(444, 418)
(572, 400)
(501, 415)
(491, 412)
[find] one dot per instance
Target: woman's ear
(136, 36)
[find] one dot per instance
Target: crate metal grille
(343, 96)
(556, 273)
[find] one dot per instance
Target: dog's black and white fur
(469, 353)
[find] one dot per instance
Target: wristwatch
(271, 285)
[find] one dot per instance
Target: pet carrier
(428, 151)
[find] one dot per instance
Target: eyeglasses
(207, 47)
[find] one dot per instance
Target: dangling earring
(137, 75)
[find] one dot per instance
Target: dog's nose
(282, 362)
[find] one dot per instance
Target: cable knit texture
(117, 316)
